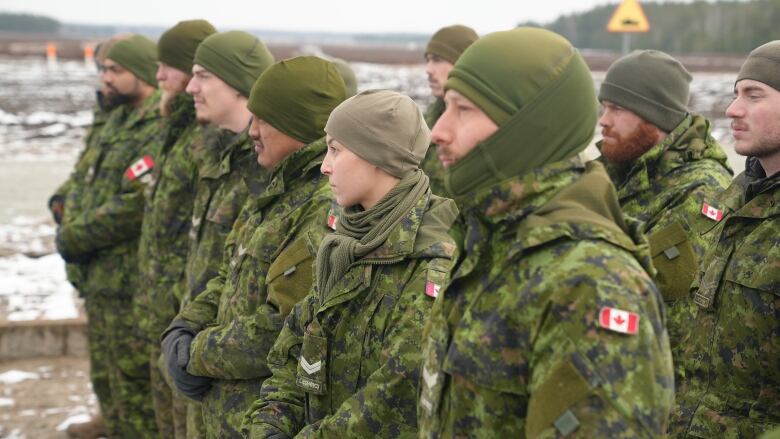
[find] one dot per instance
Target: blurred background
(47, 89)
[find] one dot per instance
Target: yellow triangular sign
(628, 17)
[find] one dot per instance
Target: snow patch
(7, 402)
(17, 376)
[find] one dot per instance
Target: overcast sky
(419, 16)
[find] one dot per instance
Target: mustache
(738, 126)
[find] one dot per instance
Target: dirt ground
(39, 408)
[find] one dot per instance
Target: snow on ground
(36, 288)
(17, 376)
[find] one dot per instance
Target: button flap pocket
(666, 238)
(551, 400)
(290, 276)
(675, 260)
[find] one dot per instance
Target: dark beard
(629, 148)
(113, 100)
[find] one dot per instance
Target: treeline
(28, 23)
(698, 27)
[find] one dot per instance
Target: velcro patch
(332, 220)
(711, 212)
(618, 320)
(432, 289)
(140, 167)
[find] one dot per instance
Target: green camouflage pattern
(514, 347)
(99, 118)
(363, 339)
(238, 315)
(102, 224)
(431, 164)
(164, 240)
(665, 189)
(731, 375)
(220, 191)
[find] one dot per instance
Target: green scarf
(359, 232)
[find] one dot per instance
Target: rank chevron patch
(430, 378)
(310, 368)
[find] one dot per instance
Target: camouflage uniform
(731, 383)
(219, 194)
(163, 243)
(365, 337)
(267, 267)
(665, 189)
(431, 164)
(514, 345)
(99, 117)
(86, 158)
(100, 227)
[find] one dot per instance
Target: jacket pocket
(290, 276)
(675, 260)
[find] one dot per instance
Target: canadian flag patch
(711, 212)
(332, 220)
(140, 167)
(432, 289)
(617, 320)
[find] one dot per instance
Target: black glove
(176, 348)
(68, 257)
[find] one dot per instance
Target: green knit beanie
(450, 42)
(137, 54)
(177, 45)
(236, 57)
(651, 84)
(296, 96)
(384, 128)
(348, 75)
(542, 98)
(763, 65)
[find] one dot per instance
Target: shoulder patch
(140, 167)
(434, 281)
(711, 212)
(332, 220)
(618, 320)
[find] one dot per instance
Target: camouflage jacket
(431, 164)
(731, 383)
(99, 118)
(103, 217)
(347, 365)
(267, 267)
(220, 192)
(551, 324)
(666, 189)
(164, 239)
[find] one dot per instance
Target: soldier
(95, 427)
(217, 347)
(665, 164)
(347, 361)
(731, 381)
(100, 230)
(551, 325)
(164, 239)
(443, 50)
(225, 66)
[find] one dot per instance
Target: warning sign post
(627, 19)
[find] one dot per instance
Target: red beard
(630, 147)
